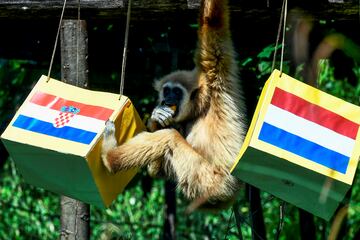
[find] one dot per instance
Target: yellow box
(55, 140)
(302, 145)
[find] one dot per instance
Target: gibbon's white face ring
(181, 109)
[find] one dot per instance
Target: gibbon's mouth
(174, 108)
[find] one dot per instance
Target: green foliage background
(28, 212)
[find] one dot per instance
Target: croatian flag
(57, 117)
(309, 130)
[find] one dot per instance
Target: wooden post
(75, 215)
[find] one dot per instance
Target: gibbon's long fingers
(162, 115)
(139, 151)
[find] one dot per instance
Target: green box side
(61, 173)
(290, 182)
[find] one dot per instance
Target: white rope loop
(56, 41)
(122, 78)
(282, 27)
(283, 38)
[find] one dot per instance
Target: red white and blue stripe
(81, 122)
(309, 130)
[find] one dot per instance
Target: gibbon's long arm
(215, 54)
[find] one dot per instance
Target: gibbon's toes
(154, 168)
(109, 128)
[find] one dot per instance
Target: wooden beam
(27, 9)
(193, 4)
(47, 4)
(164, 10)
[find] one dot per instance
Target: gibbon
(201, 114)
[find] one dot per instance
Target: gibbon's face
(173, 94)
(178, 89)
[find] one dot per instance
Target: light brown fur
(213, 121)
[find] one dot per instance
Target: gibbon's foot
(109, 142)
(154, 169)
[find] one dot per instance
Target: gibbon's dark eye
(166, 91)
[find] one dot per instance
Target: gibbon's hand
(109, 128)
(109, 142)
(163, 115)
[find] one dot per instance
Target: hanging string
(282, 26)
(281, 219)
(283, 38)
(125, 49)
(56, 41)
(77, 45)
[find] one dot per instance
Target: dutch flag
(309, 130)
(61, 118)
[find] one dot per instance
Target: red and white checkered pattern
(63, 119)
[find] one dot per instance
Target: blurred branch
(337, 222)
